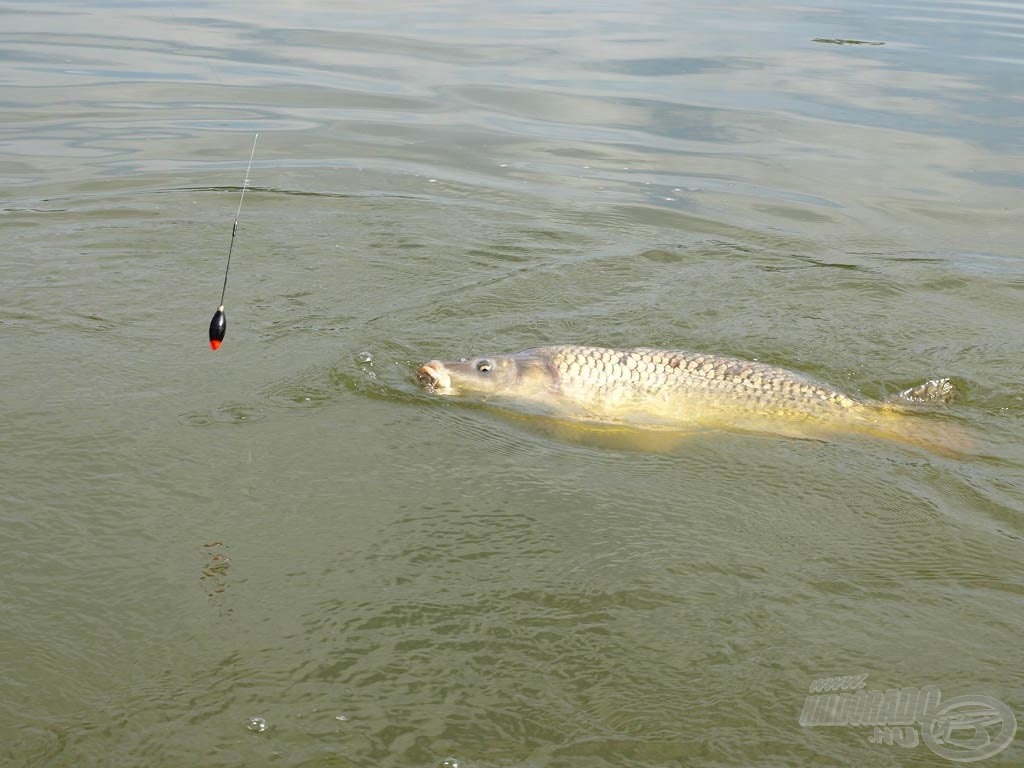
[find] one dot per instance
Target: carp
(663, 388)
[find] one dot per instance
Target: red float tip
(214, 344)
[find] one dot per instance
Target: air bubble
(364, 358)
(257, 725)
(451, 762)
(341, 718)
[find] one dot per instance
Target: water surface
(289, 529)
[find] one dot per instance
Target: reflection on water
(290, 533)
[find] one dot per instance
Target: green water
(290, 529)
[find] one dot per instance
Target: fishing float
(219, 322)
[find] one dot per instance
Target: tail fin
(938, 391)
(939, 437)
(935, 435)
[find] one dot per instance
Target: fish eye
(484, 366)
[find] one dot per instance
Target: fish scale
(645, 372)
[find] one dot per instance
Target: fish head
(519, 375)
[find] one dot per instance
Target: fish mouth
(434, 377)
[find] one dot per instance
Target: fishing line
(219, 322)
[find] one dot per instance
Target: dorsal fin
(931, 391)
